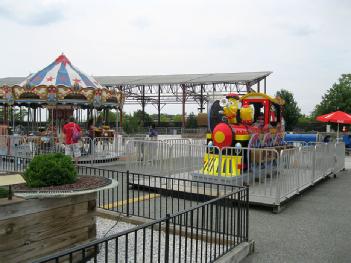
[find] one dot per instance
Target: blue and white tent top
(61, 72)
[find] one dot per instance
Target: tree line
(338, 97)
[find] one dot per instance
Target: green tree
(111, 116)
(130, 124)
(338, 97)
(139, 116)
(291, 112)
(177, 118)
(304, 119)
(165, 118)
(133, 123)
(191, 121)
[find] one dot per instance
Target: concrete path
(315, 227)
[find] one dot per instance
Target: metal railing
(202, 233)
(273, 175)
(13, 163)
(152, 196)
(150, 157)
(254, 167)
(339, 157)
(142, 195)
(94, 150)
(193, 221)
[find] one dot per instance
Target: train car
(239, 124)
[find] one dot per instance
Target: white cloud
(32, 13)
(305, 43)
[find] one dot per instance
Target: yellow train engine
(238, 124)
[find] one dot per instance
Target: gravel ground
(151, 237)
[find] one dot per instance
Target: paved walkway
(315, 227)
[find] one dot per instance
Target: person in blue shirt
(153, 132)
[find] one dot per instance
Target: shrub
(50, 169)
(3, 192)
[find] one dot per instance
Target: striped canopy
(61, 72)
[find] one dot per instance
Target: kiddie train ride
(238, 126)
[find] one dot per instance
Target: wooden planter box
(33, 228)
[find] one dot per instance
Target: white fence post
(313, 164)
(278, 181)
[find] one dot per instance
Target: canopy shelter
(336, 117)
(161, 90)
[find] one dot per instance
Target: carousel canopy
(64, 84)
(61, 72)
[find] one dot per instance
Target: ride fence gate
(93, 150)
(274, 175)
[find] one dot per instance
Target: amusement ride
(46, 99)
(238, 126)
(55, 93)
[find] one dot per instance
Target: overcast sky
(305, 43)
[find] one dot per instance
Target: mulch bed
(82, 183)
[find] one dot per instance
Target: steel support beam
(183, 104)
(143, 105)
(159, 106)
(248, 86)
(201, 98)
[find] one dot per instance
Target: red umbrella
(336, 117)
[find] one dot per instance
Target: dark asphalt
(315, 227)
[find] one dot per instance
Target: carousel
(43, 102)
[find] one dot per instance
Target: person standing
(91, 135)
(72, 133)
(153, 133)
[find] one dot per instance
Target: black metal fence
(13, 164)
(199, 234)
(192, 221)
(151, 196)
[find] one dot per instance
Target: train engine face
(254, 120)
(228, 135)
